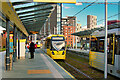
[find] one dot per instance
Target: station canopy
(87, 32)
(32, 14)
(90, 31)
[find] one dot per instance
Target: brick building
(68, 25)
(67, 31)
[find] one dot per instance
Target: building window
(66, 27)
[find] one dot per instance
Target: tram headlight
(63, 53)
(52, 53)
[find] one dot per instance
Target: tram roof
(31, 15)
(111, 28)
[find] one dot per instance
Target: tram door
(111, 49)
(119, 47)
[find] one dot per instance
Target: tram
(96, 54)
(55, 45)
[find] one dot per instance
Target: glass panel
(58, 45)
(93, 44)
(25, 10)
(24, 5)
(101, 45)
(119, 45)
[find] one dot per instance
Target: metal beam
(33, 6)
(29, 22)
(47, 12)
(34, 29)
(35, 17)
(48, 8)
(34, 23)
(19, 3)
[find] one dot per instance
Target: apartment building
(91, 21)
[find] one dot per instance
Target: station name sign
(56, 1)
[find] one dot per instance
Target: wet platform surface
(41, 67)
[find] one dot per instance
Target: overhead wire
(101, 3)
(91, 5)
(86, 7)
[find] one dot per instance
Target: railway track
(78, 71)
(79, 67)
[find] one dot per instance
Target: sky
(96, 9)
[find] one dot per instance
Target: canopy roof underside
(32, 14)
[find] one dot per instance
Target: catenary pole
(105, 49)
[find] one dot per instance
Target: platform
(41, 67)
(81, 52)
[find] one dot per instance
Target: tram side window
(94, 45)
(48, 43)
(101, 46)
(119, 46)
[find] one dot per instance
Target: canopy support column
(8, 45)
(49, 25)
(14, 43)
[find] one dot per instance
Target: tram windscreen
(58, 43)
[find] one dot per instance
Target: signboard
(57, 38)
(56, 1)
(11, 46)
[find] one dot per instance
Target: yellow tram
(55, 45)
(96, 54)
